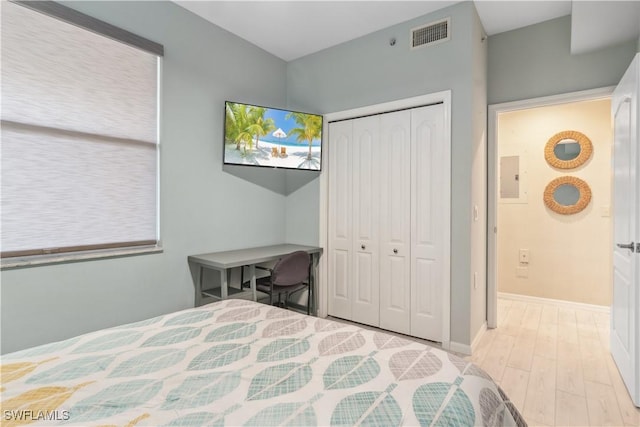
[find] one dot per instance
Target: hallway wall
(570, 255)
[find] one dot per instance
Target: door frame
(493, 179)
(443, 97)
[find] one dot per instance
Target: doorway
(535, 252)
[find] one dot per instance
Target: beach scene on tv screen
(260, 136)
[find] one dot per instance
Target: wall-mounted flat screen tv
(269, 137)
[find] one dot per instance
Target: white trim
(556, 302)
(446, 290)
(478, 337)
(563, 98)
(469, 349)
(322, 286)
(457, 347)
(416, 101)
(443, 97)
(492, 178)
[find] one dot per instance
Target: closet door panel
(340, 276)
(399, 294)
(340, 219)
(366, 292)
(429, 208)
(395, 221)
(424, 295)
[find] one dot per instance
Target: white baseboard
(456, 347)
(478, 337)
(556, 302)
(468, 349)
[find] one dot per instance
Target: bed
(237, 362)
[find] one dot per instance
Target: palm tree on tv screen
(238, 120)
(259, 126)
(309, 128)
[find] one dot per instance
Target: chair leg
(309, 286)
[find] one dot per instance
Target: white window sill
(38, 260)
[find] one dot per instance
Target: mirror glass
(566, 195)
(567, 149)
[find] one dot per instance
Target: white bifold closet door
(366, 205)
(430, 195)
(387, 223)
(340, 219)
(353, 284)
(395, 222)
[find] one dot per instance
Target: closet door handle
(395, 251)
(363, 247)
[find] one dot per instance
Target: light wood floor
(554, 364)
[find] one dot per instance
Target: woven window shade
(79, 137)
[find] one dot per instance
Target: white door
(340, 219)
(430, 160)
(625, 316)
(395, 221)
(365, 199)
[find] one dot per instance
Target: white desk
(225, 261)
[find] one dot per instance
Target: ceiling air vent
(429, 34)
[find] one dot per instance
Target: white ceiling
(292, 29)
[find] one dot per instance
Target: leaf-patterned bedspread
(236, 363)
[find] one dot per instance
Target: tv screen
(269, 137)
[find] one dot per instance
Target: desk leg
(198, 301)
(252, 274)
(223, 284)
(315, 258)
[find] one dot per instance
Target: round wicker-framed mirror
(568, 149)
(567, 195)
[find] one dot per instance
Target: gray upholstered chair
(291, 274)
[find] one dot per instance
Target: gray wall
(535, 61)
(303, 207)
(202, 208)
(478, 184)
(368, 71)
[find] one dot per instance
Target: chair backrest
(291, 269)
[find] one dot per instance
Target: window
(79, 137)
